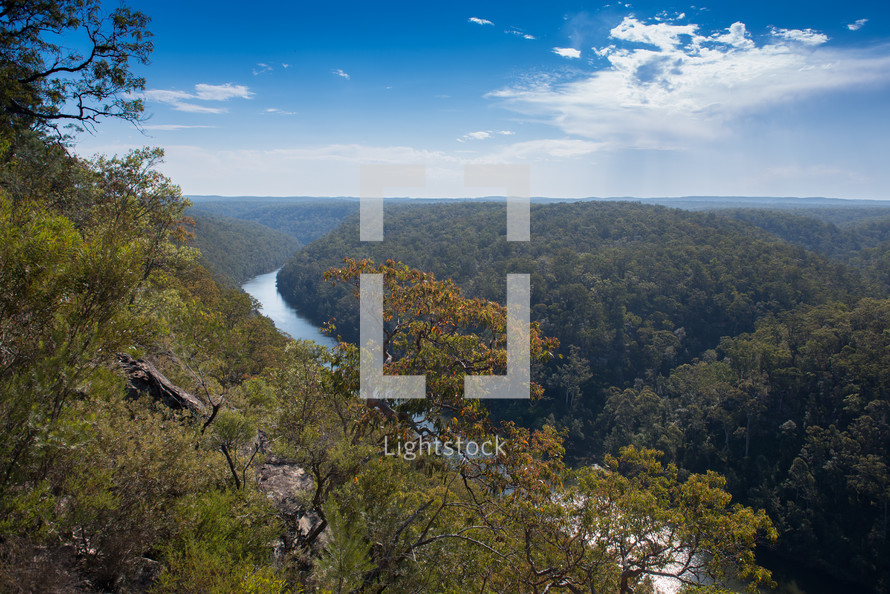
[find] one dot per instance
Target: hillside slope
(237, 250)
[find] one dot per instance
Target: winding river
(286, 318)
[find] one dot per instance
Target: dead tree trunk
(143, 377)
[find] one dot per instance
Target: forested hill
(593, 264)
(305, 219)
(701, 335)
(832, 232)
(834, 210)
(236, 250)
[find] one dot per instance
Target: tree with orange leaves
(431, 329)
(514, 521)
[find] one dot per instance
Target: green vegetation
(241, 238)
(158, 435)
(103, 490)
(306, 219)
(795, 414)
(695, 333)
(237, 250)
(96, 488)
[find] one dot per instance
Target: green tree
(655, 524)
(45, 84)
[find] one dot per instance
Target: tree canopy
(46, 84)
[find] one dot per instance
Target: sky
(613, 99)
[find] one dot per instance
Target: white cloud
(661, 35)
(325, 170)
(283, 65)
(193, 108)
(479, 21)
(736, 36)
(856, 25)
(167, 96)
(261, 68)
(339, 72)
(562, 167)
(685, 85)
(804, 36)
(222, 92)
(277, 111)
(567, 52)
(334, 170)
(562, 148)
(484, 134)
(668, 16)
(519, 33)
(183, 100)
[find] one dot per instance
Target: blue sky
(601, 99)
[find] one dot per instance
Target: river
(286, 318)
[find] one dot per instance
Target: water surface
(286, 318)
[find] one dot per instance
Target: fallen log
(144, 378)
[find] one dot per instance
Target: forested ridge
(236, 250)
(158, 435)
(705, 335)
(305, 219)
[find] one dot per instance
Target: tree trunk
(143, 377)
(225, 451)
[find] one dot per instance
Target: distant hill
(835, 210)
(303, 218)
(236, 250)
(708, 274)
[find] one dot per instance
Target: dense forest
(158, 435)
(236, 250)
(748, 342)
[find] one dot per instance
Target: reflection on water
(286, 319)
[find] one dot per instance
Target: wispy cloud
(552, 148)
(221, 92)
(275, 110)
(183, 100)
(483, 134)
(664, 15)
(479, 21)
(684, 83)
(567, 52)
(856, 25)
(339, 72)
(519, 33)
(261, 68)
(283, 65)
